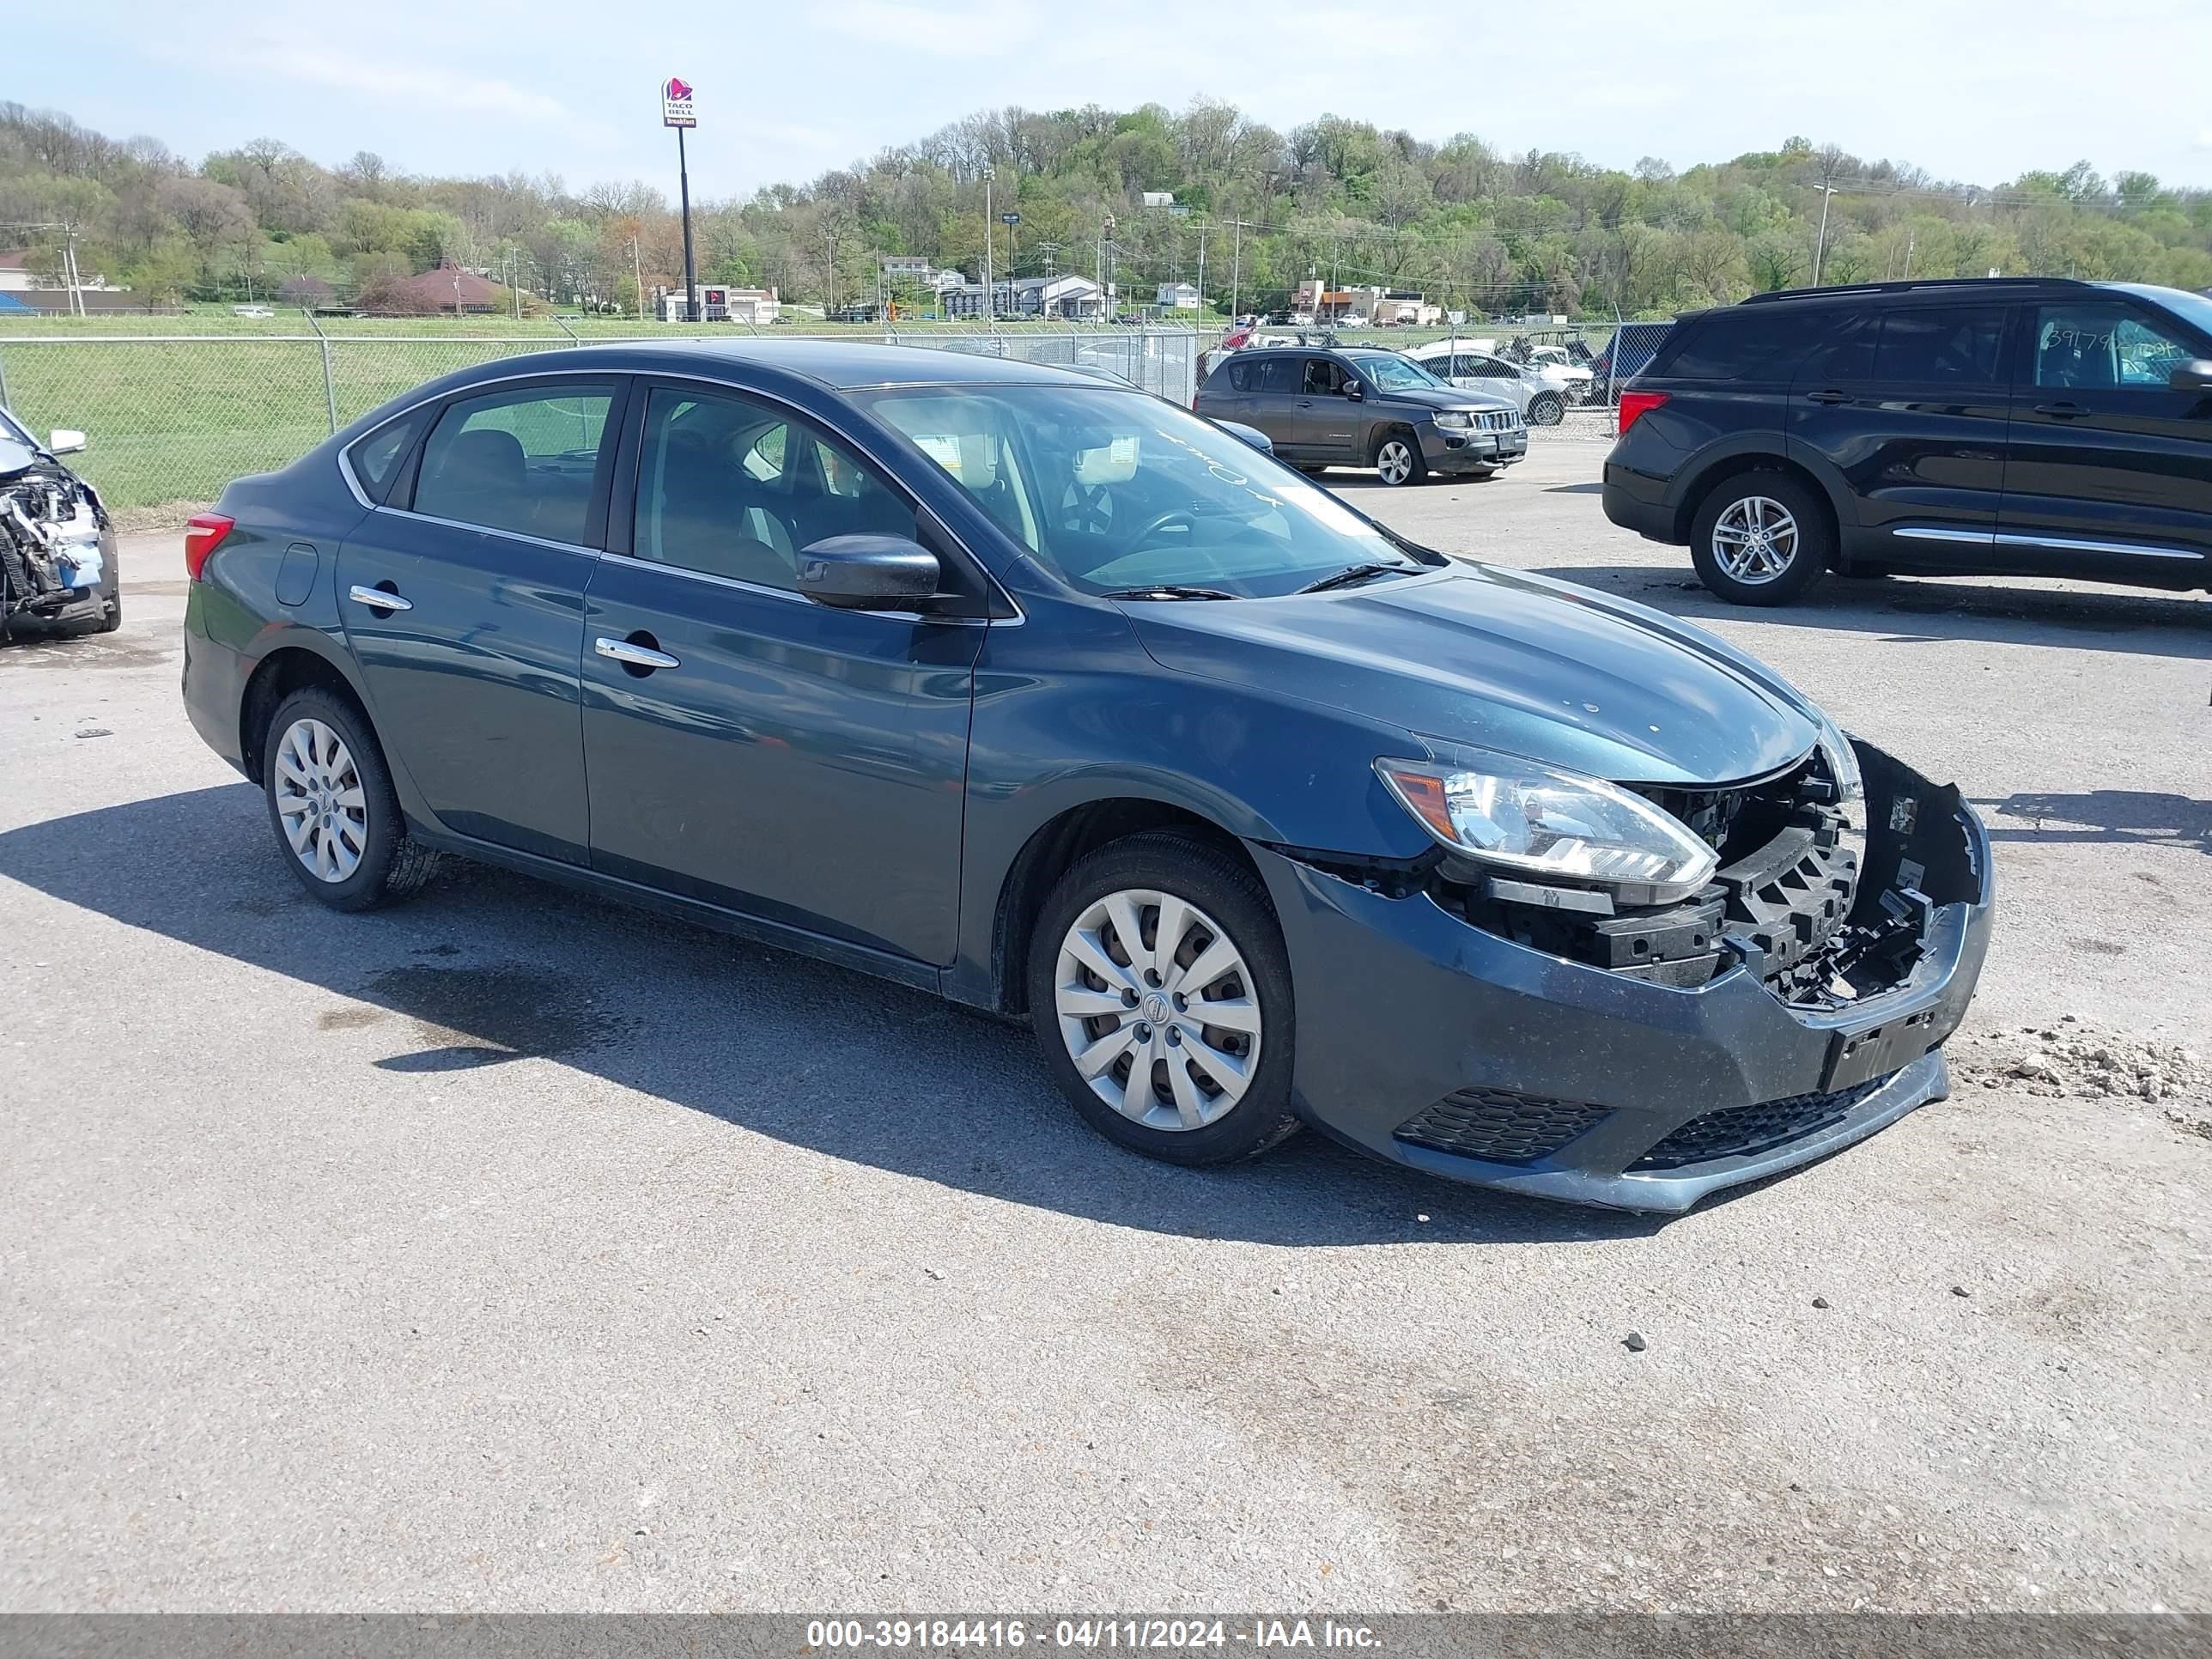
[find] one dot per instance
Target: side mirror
(1250, 434)
(61, 441)
(868, 573)
(2195, 376)
(1356, 392)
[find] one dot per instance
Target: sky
(1969, 89)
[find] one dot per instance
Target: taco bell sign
(676, 109)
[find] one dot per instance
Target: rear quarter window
(1757, 343)
(376, 457)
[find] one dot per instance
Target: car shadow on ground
(2143, 817)
(486, 968)
(2153, 625)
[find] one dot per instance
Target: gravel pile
(2071, 1058)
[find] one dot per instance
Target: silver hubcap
(1394, 462)
(1755, 540)
(1156, 1009)
(320, 801)
(1546, 411)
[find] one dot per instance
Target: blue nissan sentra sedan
(1058, 701)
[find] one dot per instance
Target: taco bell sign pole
(676, 111)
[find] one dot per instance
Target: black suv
(2010, 426)
(1364, 407)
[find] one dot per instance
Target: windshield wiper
(1358, 572)
(1170, 591)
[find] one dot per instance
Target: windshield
(1115, 490)
(2191, 308)
(1390, 371)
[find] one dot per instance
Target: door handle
(378, 598)
(1305, 403)
(1827, 397)
(634, 656)
(2061, 411)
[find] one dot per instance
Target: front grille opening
(1744, 1130)
(1500, 1125)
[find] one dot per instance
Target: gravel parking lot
(510, 1251)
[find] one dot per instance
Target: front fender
(1076, 714)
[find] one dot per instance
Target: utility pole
(1201, 262)
(636, 277)
(990, 302)
(1911, 237)
(1821, 246)
(1013, 266)
(1237, 269)
(1099, 278)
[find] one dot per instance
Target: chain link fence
(173, 418)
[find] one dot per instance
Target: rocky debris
(2071, 1059)
(1634, 1342)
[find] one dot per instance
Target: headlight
(1453, 417)
(1532, 818)
(1842, 764)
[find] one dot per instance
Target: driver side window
(1323, 379)
(728, 487)
(2092, 346)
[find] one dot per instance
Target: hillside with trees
(1470, 227)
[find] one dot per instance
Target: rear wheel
(332, 806)
(1398, 459)
(1546, 409)
(1761, 539)
(1161, 994)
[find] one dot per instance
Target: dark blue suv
(2029, 426)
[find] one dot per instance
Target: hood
(1437, 397)
(1502, 660)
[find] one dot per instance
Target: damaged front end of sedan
(1639, 1048)
(56, 545)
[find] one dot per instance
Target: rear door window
(522, 461)
(1746, 342)
(1921, 345)
(1276, 375)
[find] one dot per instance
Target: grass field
(176, 407)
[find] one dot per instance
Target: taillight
(204, 533)
(1634, 405)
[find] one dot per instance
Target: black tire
(111, 590)
(1416, 470)
(1312, 469)
(1546, 409)
(1226, 890)
(393, 865)
(1812, 548)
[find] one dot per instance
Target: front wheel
(1398, 460)
(1546, 409)
(331, 804)
(1761, 539)
(1161, 994)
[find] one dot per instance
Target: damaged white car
(58, 564)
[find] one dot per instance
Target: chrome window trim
(488, 530)
(2061, 544)
(652, 374)
(796, 597)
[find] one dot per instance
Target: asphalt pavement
(511, 1250)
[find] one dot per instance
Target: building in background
(1176, 296)
(1037, 298)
